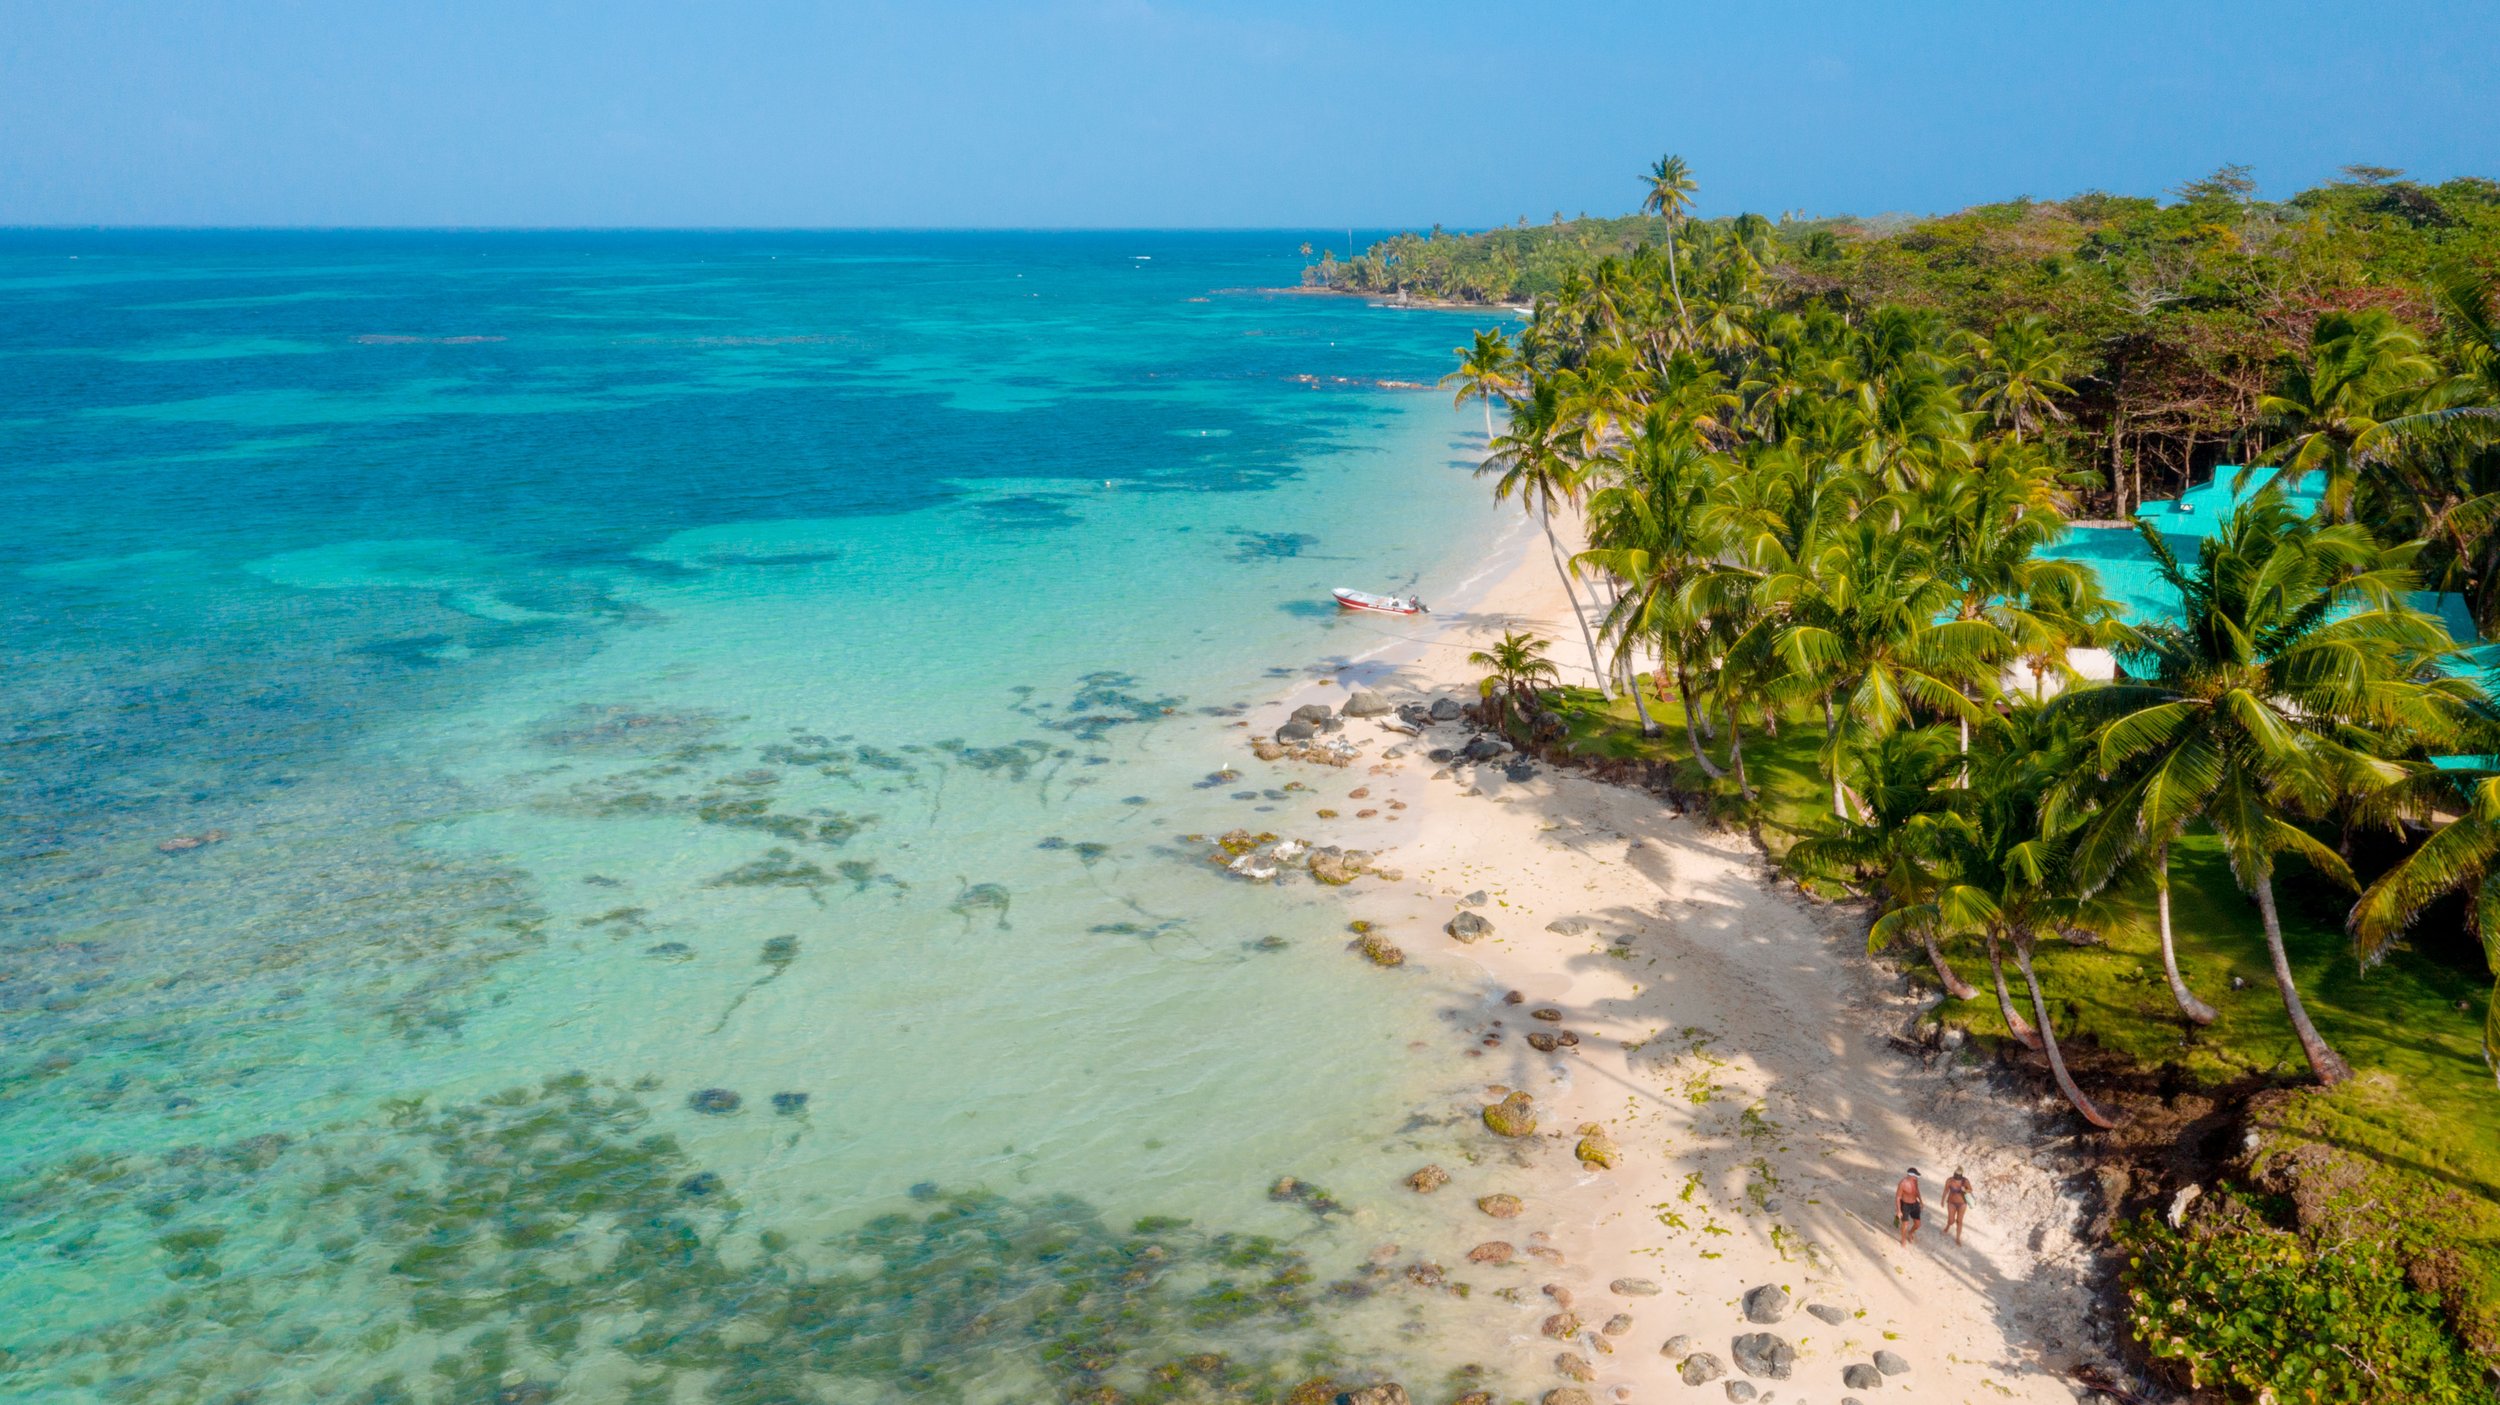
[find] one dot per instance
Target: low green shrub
(2237, 1303)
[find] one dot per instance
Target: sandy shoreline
(1731, 1042)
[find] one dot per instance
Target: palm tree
(1518, 663)
(2293, 663)
(2364, 369)
(1864, 625)
(1899, 851)
(2012, 881)
(2461, 856)
(1671, 188)
(1538, 465)
(2021, 371)
(1654, 530)
(1488, 371)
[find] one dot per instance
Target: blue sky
(1158, 113)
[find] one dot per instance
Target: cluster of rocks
(1264, 858)
(1769, 1356)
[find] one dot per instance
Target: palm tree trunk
(1736, 753)
(2048, 1042)
(1954, 985)
(1676, 282)
(2015, 1024)
(1488, 421)
(1577, 616)
(1640, 708)
(2328, 1065)
(2189, 1005)
(1831, 757)
(1692, 734)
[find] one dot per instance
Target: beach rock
(1319, 1390)
(1501, 1207)
(1633, 1288)
(1514, 1116)
(1560, 1294)
(1566, 1395)
(1468, 927)
(1740, 1391)
(789, 1104)
(1543, 1042)
(1766, 1304)
(1857, 1375)
(1491, 1251)
(716, 1101)
(1677, 1348)
(670, 951)
(1386, 1393)
(1428, 1180)
(1701, 1368)
(1596, 1150)
(1571, 1365)
(1379, 950)
(1513, 997)
(1313, 713)
(1267, 749)
(700, 1184)
(1482, 749)
(1296, 731)
(1363, 702)
(1617, 1325)
(1445, 710)
(1287, 1188)
(1562, 1326)
(1473, 1397)
(1477, 898)
(1546, 1013)
(1337, 867)
(1568, 926)
(1892, 1363)
(1546, 1253)
(1829, 1314)
(1763, 1354)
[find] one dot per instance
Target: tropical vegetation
(1825, 471)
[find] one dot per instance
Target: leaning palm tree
(2460, 856)
(1670, 196)
(1898, 853)
(1539, 464)
(1654, 529)
(1488, 371)
(2013, 882)
(1518, 665)
(2293, 667)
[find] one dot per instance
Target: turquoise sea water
(598, 817)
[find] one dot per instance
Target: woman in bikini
(1956, 1199)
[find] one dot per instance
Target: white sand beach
(1731, 1042)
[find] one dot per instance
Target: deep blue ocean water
(599, 816)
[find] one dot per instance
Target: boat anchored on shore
(1380, 604)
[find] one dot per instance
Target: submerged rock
(1572, 1365)
(1379, 950)
(716, 1101)
(789, 1104)
(981, 897)
(1514, 1116)
(1566, 1395)
(1617, 1325)
(670, 951)
(1501, 1207)
(1562, 1326)
(1387, 1393)
(1492, 1251)
(1428, 1180)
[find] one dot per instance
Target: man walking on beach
(1956, 1199)
(1906, 1206)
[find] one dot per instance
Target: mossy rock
(1596, 1149)
(1514, 1116)
(1379, 950)
(1501, 1207)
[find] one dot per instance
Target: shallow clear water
(600, 816)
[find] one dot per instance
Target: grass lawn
(2425, 1111)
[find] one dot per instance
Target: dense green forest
(2178, 314)
(2238, 899)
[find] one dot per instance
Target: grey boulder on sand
(1366, 703)
(1763, 1354)
(1766, 1304)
